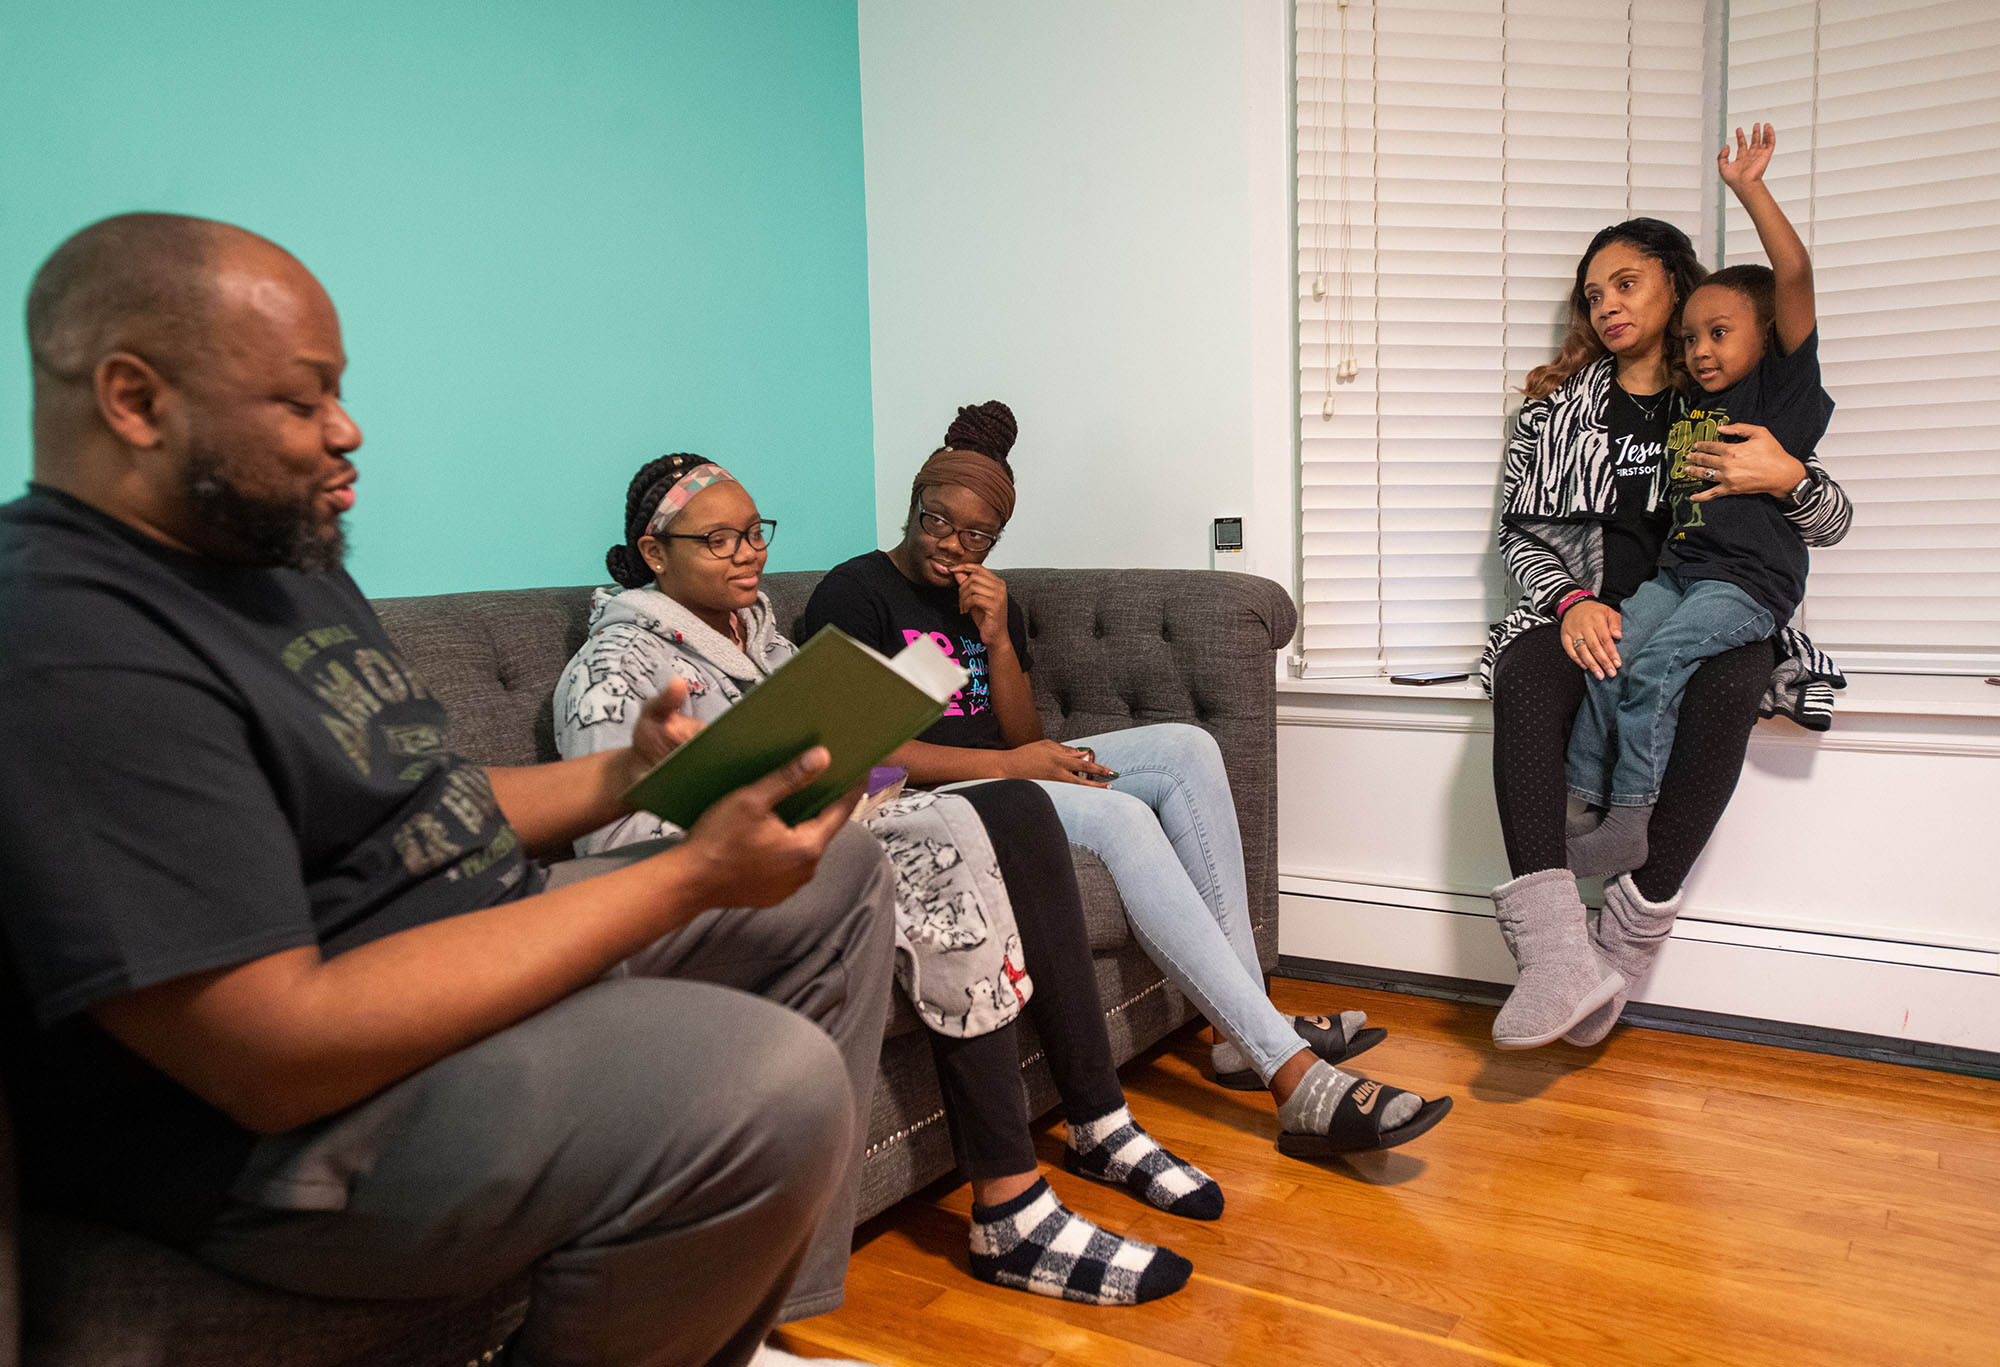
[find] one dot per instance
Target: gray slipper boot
(1562, 979)
(1630, 931)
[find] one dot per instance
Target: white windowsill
(1881, 695)
(1378, 686)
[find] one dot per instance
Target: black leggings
(1537, 690)
(981, 1077)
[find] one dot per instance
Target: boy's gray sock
(1309, 1109)
(1618, 845)
(1562, 979)
(1581, 818)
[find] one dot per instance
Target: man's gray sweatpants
(674, 1150)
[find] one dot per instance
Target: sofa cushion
(493, 660)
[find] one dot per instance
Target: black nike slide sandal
(1354, 1128)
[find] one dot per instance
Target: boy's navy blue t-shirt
(1745, 539)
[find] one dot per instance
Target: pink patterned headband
(685, 488)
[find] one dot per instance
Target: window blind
(1888, 161)
(1454, 158)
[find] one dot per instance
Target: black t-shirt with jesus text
(1745, 539)
(869, 599)
(1636, 427)
(200, 765)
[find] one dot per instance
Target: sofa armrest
(1119, 648)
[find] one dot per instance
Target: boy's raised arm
(1796, 315)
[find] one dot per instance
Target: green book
(835, 692)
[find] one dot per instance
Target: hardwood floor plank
(1973, 1222)
(1663, 1200)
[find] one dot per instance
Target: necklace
(1651, 412)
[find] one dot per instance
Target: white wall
(1084, 210)
(1849, 886)
(1081, 210)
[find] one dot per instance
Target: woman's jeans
(1625, 728)
(1166, 828)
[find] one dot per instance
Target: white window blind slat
(1889, 162)
(1485, 141)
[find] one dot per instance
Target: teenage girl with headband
(691, 608)
(1152, 802)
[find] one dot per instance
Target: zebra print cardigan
(1555, 498)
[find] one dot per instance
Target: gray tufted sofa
(1112, 648)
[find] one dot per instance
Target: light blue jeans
(1625, 728)
(1166, 828)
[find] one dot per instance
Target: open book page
(930, 669)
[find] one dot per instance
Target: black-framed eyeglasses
(937, 529)
(723, 541)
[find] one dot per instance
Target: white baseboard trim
(1702, 920)
(1910, 992)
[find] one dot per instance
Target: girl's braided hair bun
(642, 499)
(987, 428)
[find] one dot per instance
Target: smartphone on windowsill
(1422, 677)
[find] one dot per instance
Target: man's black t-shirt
(1637, 429)
(200, 765)
(1745, 539)
(869, 599)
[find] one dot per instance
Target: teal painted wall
(562, 238)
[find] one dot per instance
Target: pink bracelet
(1574, 596)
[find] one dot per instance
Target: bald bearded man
(285, 984)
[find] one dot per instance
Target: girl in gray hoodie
(981, 880)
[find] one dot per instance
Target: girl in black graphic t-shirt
(1152, 801)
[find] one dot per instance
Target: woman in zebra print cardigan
(1580, 529)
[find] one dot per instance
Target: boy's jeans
(1625, 728)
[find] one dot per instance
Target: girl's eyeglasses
(723, 541)
(937, 529)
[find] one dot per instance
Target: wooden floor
(1667, 1199)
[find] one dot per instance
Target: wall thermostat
(1228, 536)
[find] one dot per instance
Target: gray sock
(1618, 845)
(1562, 979)
(1309, 1109)
(1581, 818)
(1226, 1056)
(1629, 933)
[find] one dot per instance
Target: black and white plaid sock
(1113, 1149)
(1036, 1243)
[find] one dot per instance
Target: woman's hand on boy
(1590, 633)
(1055, 762)
(1753, 157)
(1756, 464)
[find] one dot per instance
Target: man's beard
(277, 533)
